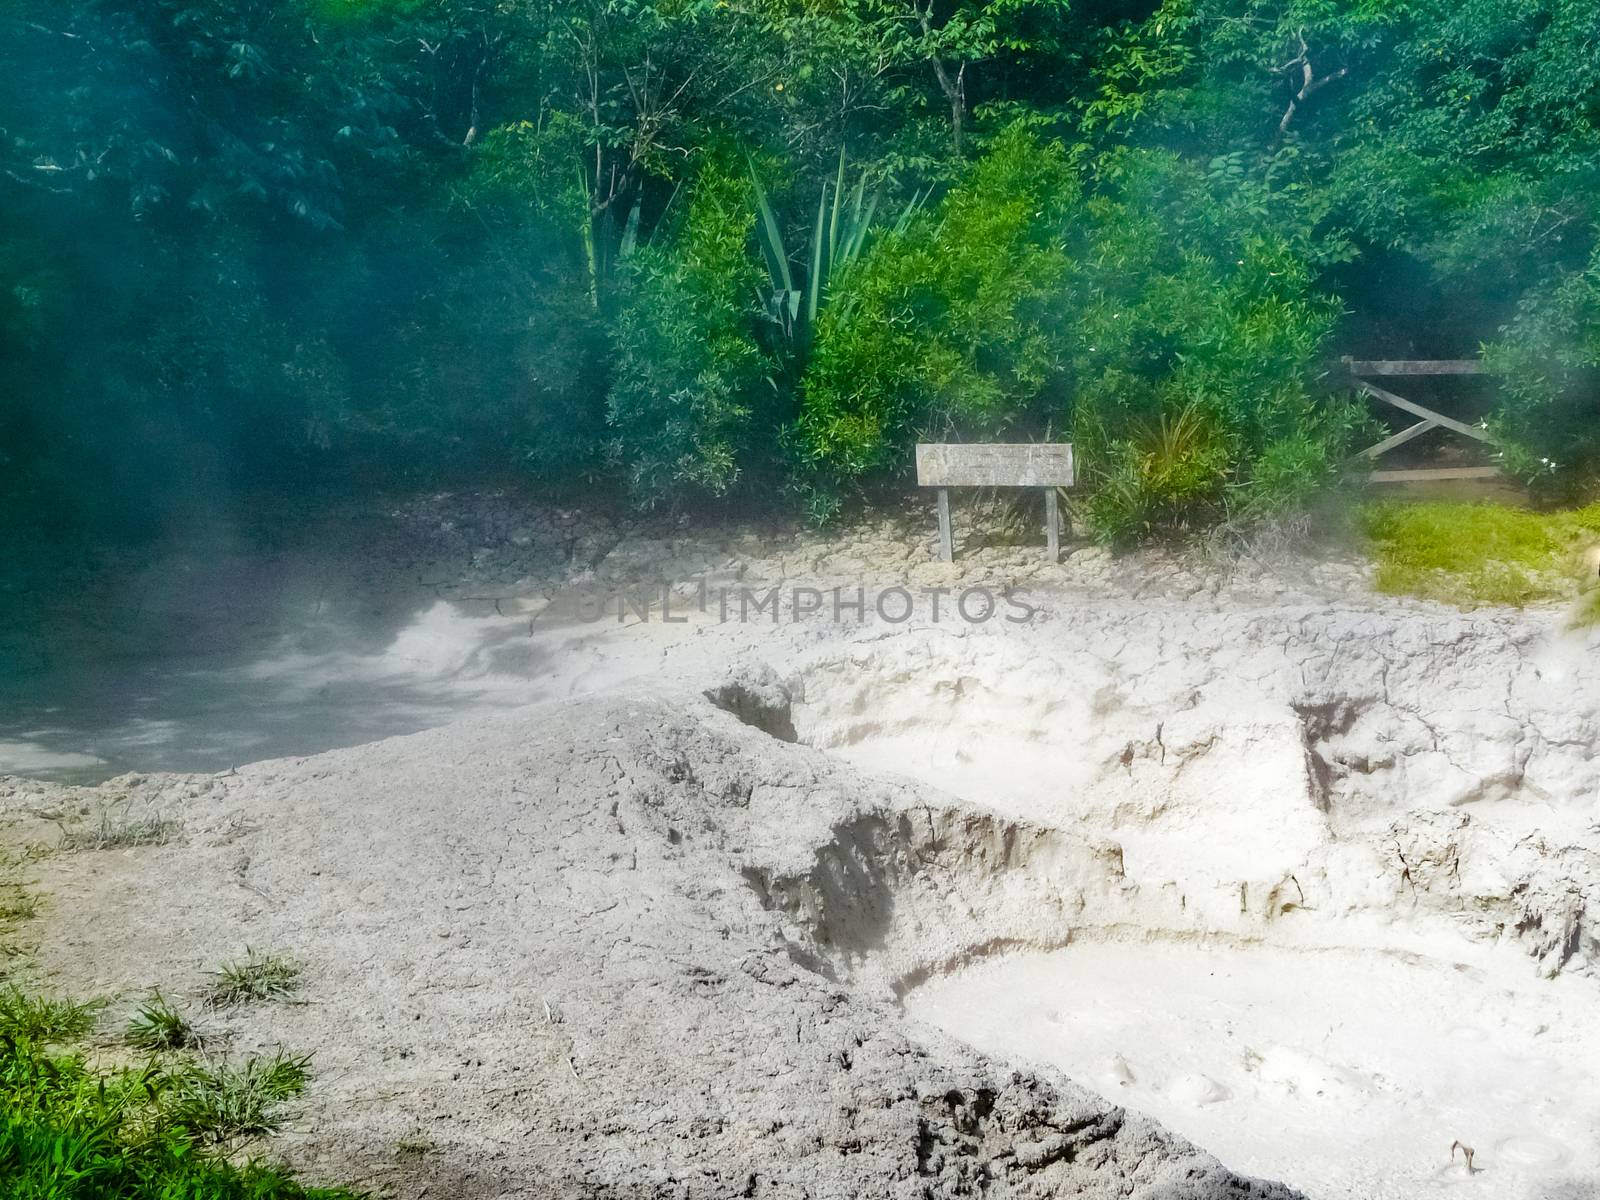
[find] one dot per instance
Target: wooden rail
(1434, 474)
(1413, 366)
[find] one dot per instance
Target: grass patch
(69, 1132)
(72, 1131)
(45, 1019)
(254, 977)
(157, 1026)
(16, 905)
(1469, 554)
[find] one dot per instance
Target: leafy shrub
(1159, 477)
(1547, 425)
(949, 328)
(688, 367)
(1195, 341)
(1177, 342)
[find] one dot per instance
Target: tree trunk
(955, 91)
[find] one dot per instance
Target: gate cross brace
(1429, 416)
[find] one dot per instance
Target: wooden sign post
(1046, 465)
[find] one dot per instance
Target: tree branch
(1310, 83)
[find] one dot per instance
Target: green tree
(689, 370)
(1548, 364)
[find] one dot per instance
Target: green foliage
(689, 371)
(69, 1132)
(1548, 361)
(1434, 163)
(533, 166)
(1197, 339)
(1477, 138)
(838, 237)
(254, 977)
(1468, 554)
(1160, 478)
(948, 327)
(218, 1102)
(44, 1018)
(333, 242)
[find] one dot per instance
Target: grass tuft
(44, 1019)
(119, 833)
(219, 1102)
(1468, 554)
(418, 1146)
(157, 1026)
(254, 977)
(16, 905)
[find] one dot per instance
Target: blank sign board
(995, 464)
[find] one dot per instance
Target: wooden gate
(1365, 370)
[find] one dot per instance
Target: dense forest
(748, 251)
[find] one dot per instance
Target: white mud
(1334, 906)
(1349, 1073)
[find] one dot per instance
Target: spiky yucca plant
(838, 236)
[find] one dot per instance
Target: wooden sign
(1044, 465)
(995, 464)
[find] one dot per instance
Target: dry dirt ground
(668, 910)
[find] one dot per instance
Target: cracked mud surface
(668, 931)
(536, 939)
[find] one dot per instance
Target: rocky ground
(653, 932)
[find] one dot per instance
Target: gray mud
(650, 934)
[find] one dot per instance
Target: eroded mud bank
(1314, 888)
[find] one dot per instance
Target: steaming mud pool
(1289, 931)
(1346, 1073)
